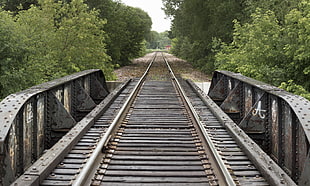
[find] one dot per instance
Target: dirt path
(179, 66)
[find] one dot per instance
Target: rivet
(26, 178)
(282, 181)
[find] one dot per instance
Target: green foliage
(279, 7)
(264, 39)
(196, 23)
(290, 86)
(17, 5)
(126, 27)
(157, 40)
(256, 50)
(271, 50)
(65, 37)
(12, 54)
(49, 41)
(46, 39)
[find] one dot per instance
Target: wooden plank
(157, 167)
(167, 162)
(155, 158)
(146, 179)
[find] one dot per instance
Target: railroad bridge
(158, 129)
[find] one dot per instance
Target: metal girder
(29, 119)
(279, 119)
(41, 168)
(270, 169)
(304, 178)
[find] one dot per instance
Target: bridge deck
(159, 140)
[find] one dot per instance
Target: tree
(63, 38)
(127, 28)
(196, 23)
(12, 55)
(157, 40)
(49, 41)
(272, 50)
(17, 5)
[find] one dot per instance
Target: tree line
(155, 40)
(45, 39)
(264, 39)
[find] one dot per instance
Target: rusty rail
(277, 120)
(33, 120)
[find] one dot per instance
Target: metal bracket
(232, 103)
(59, 118)
(83, 101)
(254, 120)
(98, 92)
(218, 93)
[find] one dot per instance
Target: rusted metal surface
(78, 139)
(277, 120)
(270, 170)
(34, 119)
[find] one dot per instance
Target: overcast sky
(153, 8)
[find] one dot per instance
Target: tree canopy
(127, 29)
(263, 39)
(157, 40)
(46, 39)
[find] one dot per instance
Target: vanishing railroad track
(155, 132)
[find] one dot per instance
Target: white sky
(153, 8)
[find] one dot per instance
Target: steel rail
(84, 177)
(220, 163)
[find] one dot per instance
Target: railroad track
(155, 132)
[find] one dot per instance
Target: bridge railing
(277, 120)
(34, 119)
